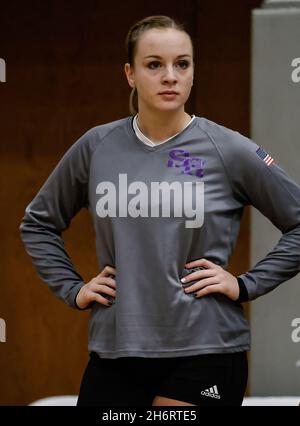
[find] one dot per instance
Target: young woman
(166, 191)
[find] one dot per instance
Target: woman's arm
(63, 194)
(263, 184)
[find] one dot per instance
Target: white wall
(275, 125)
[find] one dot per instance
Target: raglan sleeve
(49, 214)
(259, 181)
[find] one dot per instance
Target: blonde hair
(155, 21)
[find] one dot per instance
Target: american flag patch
(265, 156)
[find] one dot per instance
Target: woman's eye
(154, 65)
(183, 64)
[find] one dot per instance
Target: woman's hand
(102, 283)
(212, 279)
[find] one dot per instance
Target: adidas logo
(211, 392)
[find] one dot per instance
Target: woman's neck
(163, 126)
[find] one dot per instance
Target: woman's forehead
(164, 41)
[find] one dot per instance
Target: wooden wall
(64, 72)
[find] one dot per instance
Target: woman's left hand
(212, 279)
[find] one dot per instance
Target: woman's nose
(169, 74)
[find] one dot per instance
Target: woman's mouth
(169, 94)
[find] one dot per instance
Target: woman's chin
(168, 107)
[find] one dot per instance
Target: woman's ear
(129, 74)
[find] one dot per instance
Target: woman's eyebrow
(159, 57)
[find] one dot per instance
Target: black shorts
(204, 380)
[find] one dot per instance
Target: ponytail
(133, 102)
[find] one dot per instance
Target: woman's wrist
(76, 304)
(243, 296)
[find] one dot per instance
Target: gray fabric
(152, 316)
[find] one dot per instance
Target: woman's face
(163, 62)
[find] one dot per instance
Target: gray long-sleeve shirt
(154, 209)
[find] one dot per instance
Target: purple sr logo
(181, 158)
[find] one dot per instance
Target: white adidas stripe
(214, 389)
(212, 392)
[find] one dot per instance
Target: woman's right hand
(102, 283)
